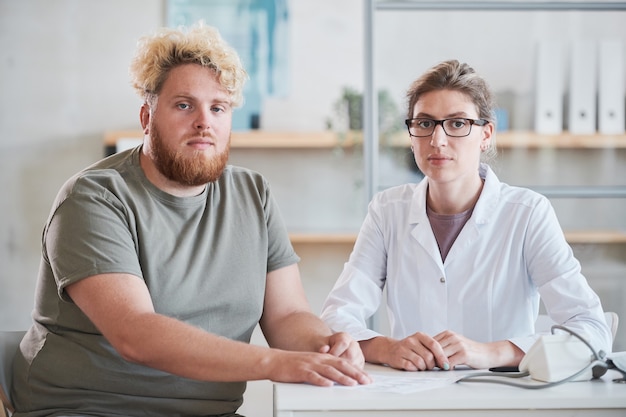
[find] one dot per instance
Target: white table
(589, 398)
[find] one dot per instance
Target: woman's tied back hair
(456, 76)
(167, 48)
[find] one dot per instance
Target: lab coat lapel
(469, 234)
(420, 226)
(483, 212)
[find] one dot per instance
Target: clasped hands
(446, 350)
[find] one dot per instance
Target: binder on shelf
(611, 87)
(549, 86)
(582, 88)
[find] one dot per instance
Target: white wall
(63, 78)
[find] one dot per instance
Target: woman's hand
(463, 351)
(418, 352)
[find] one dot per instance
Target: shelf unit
(370, 105)
(513, 139)
(597, 253)
(330, 140)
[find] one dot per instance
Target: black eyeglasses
(457, 128)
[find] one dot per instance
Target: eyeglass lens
(452, 127)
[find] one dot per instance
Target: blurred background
(64, 86)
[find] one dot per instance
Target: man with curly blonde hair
(158, 263)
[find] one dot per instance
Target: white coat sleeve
(357, 293)
(566, 294)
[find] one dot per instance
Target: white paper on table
(403, 385)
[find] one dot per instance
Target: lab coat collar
(485, 206)
(419, 224)
(489, 197)
(483, 212)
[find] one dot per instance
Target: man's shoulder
(236, 170)
(109, 165)
(238, 175)
(106, 174)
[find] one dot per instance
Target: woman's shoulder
(515, 197)
(402, 197)
(397, 192)
(518, 192)
(511, 191)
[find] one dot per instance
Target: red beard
(191, 171)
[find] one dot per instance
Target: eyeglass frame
(472, 122)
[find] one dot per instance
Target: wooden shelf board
(287, 140)
(263, 139)
(595, 236)
(323, 238)
(587, 236)
(329, 139)
(112, 137)
(524, 139)
(564, 140)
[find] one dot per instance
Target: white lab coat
(509, 253)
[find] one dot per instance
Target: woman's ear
(487, 134)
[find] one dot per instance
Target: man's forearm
(300, 331)
(169, 345)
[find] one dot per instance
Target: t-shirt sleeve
(280, 250)
(89, 233)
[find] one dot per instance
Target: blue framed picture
(258, 30)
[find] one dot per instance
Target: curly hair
(157, 54)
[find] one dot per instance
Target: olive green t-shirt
(204, 260)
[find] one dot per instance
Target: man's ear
(144, 118)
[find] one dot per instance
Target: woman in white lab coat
(464, 258)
